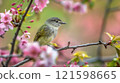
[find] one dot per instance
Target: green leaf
(75, 59)
(85, 1)
(112, 64)
(118, 51)
(91, 4)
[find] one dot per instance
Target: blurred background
(80, 29)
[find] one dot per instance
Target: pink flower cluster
(71, 64)
(74, 6)
(23, 39)
(5, 22)
(40, 5)
(13, 61)
(47, 57)
(42, 55)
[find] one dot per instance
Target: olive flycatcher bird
(47, 32)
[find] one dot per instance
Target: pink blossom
(64, 65)
(41, 4)
(6, 17)
(29, 27)
(36, 9)
(83, 8)
(47, 56)
(18, 6)
(13, 4)
(8, 25)
(67, 4)
(13, 11)
(73, 65)
(3, 53)
(23, 40)
(2, 29)
(79, 7)
(26, 35)
(23, 44)
(32, 50)
(86, 62)
(32, 21)
(68, 62)
(21, 5)
(14, 60)
(20, 9)
(23, 1)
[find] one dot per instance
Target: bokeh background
(80, 29)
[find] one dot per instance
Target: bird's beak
(62, 23)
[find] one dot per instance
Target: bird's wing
(41, 32)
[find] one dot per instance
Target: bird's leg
(53, 44)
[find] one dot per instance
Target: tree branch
(7, 56)
(83, 45)
(106, 14)
(22, 62)
(114, 9)
(16, 34)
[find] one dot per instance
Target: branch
(1, 36)
(16, 34)
(106, 14)
(114, 9)
(7, 56)
(83, 45)
(22, 62)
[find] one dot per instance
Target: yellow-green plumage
(48, 31)
(44, 35)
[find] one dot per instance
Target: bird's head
(54, 22)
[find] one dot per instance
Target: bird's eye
(57, 21)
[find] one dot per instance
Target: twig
(1, 36)
(7, 56)
(2, 64)
(16, 34)
(107, 10)
(114, 9)
(4, 48)
(83, 45)
(22, 62)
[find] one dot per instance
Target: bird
(48, 31)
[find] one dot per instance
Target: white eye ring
(57, 21)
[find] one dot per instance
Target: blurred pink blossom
(1, 29)
(79, 7)
(23, 44)
(13, 11)
(23, 40)
(74, 65)
(67, 4)
(3, 53)
(32, 21)
(13, 4)
(36, 9)
(7, 25)
(6, 17)
(18, 6)
(32, 50)
(74, 6)
(40, 4)
(83, 8)
(47, 56)
(26, 35)
(14, 60)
